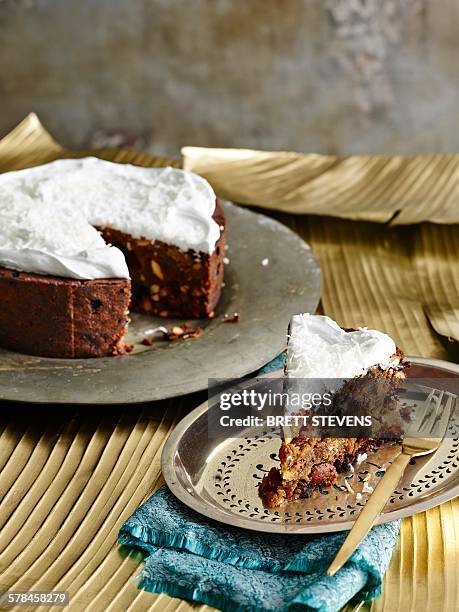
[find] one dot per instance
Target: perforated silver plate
(219, 477)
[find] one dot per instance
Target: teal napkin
(189, 556)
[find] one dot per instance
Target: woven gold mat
(69, 476)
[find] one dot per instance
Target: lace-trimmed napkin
(195, 558)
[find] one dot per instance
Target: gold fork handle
(370, 512)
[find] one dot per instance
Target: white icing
(44, 239)
(367, 488)
(319, 348)
(47, 214)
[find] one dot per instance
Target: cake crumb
(122, 348)
(176, 332)
(182, 332)
(155, 330)
(367, 488)
(265, 262)
(232, 319)
(348, 486)
(226, 260)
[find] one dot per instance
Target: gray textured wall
(333, 76)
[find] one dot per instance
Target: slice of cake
(319, 349)
(82, 239)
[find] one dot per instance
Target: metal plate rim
(167, 467)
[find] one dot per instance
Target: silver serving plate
(219, 477)
(265, 296)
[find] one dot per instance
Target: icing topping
(319, 348)
(47, 214)
(44, 239)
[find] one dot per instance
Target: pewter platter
(265, 296)
(219, 477)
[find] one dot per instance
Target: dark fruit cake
(82, 240)
(169, 282)
(83, 317)
(319, 349)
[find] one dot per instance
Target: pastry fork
(423, 437)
